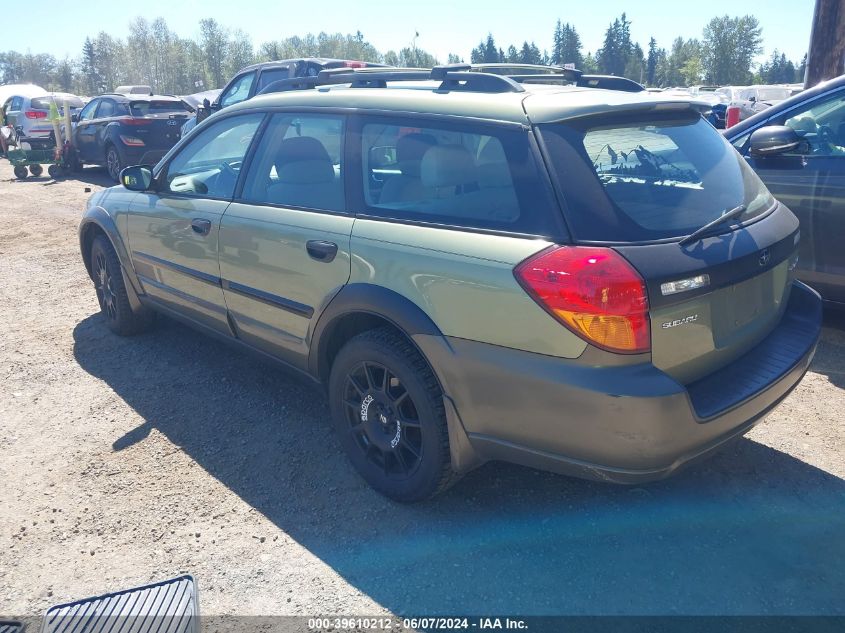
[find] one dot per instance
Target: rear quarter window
(648, 178)
(474, 177)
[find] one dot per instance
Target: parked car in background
(253, 79)
(30, 116)
(754, 99)
(797, 147)
(414, 256)
(116, 130)
(200, 104)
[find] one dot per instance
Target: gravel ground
(131, 460)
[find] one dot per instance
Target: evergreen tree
(651, 62)
(89, 67)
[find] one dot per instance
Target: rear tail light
(131, 141)
(354, 64)
(35, 114)
(594, 292)
(731, 116)
(128, 120)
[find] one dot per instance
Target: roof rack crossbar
(452, 77)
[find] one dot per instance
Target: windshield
(648, 178)
(772, 94)
(143, 108)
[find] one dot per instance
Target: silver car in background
(30, 116)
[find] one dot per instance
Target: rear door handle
(201, 226)
(321, 251)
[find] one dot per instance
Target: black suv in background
(116, 130)
(253, 79)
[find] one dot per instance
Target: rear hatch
(642, 181)
(158, 123)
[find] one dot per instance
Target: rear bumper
(624, 423)
(142, 155)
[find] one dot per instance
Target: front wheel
(387, 408)
(113, 163)
(111, 291)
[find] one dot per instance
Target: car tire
(388, 412)
(111, 291)
(114, 162)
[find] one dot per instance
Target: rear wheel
(388, 412)
(113, 163)
(36, 170)
(20, 172)
(111, 291)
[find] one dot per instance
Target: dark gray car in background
(797, 147)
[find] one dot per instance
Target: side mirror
(137, 178)
(74, 118)
(774, 140)
(752, 99)
(206, 104)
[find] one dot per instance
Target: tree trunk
(826, 57)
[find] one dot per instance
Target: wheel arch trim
(97, 218)
(377, 301)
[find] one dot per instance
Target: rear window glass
(43, 103)
(652, 179)
(475, 178)
(143, 108)
(772, 94)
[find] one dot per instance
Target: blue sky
(444, 25)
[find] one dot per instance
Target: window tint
(88, 111)
(106, 109)
(269, 76)
(647, 179)
(238, 91)
(822, 124)
(298, 163)
(17, 103)
(208, 166)
(484, 178)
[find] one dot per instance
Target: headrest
(448, 166)
(493, 169)
(409, 152)
(303, 160)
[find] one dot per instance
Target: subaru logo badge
(765, 257)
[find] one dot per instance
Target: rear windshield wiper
(727, 215)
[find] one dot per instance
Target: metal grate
(165, 607)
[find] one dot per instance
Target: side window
(17, 104)
(821, 123)
(208, 166)
(485, 178)
(106, 109)
(269, 76)
(87, 112)
(298, 163)
(238, 91)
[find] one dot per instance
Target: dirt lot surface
(131, 460)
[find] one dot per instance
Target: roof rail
(452, 77)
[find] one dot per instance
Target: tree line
(152, 54)
(723, 56)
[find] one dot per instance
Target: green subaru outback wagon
(555, 271)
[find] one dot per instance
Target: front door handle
(201, 226)
(321, 251)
